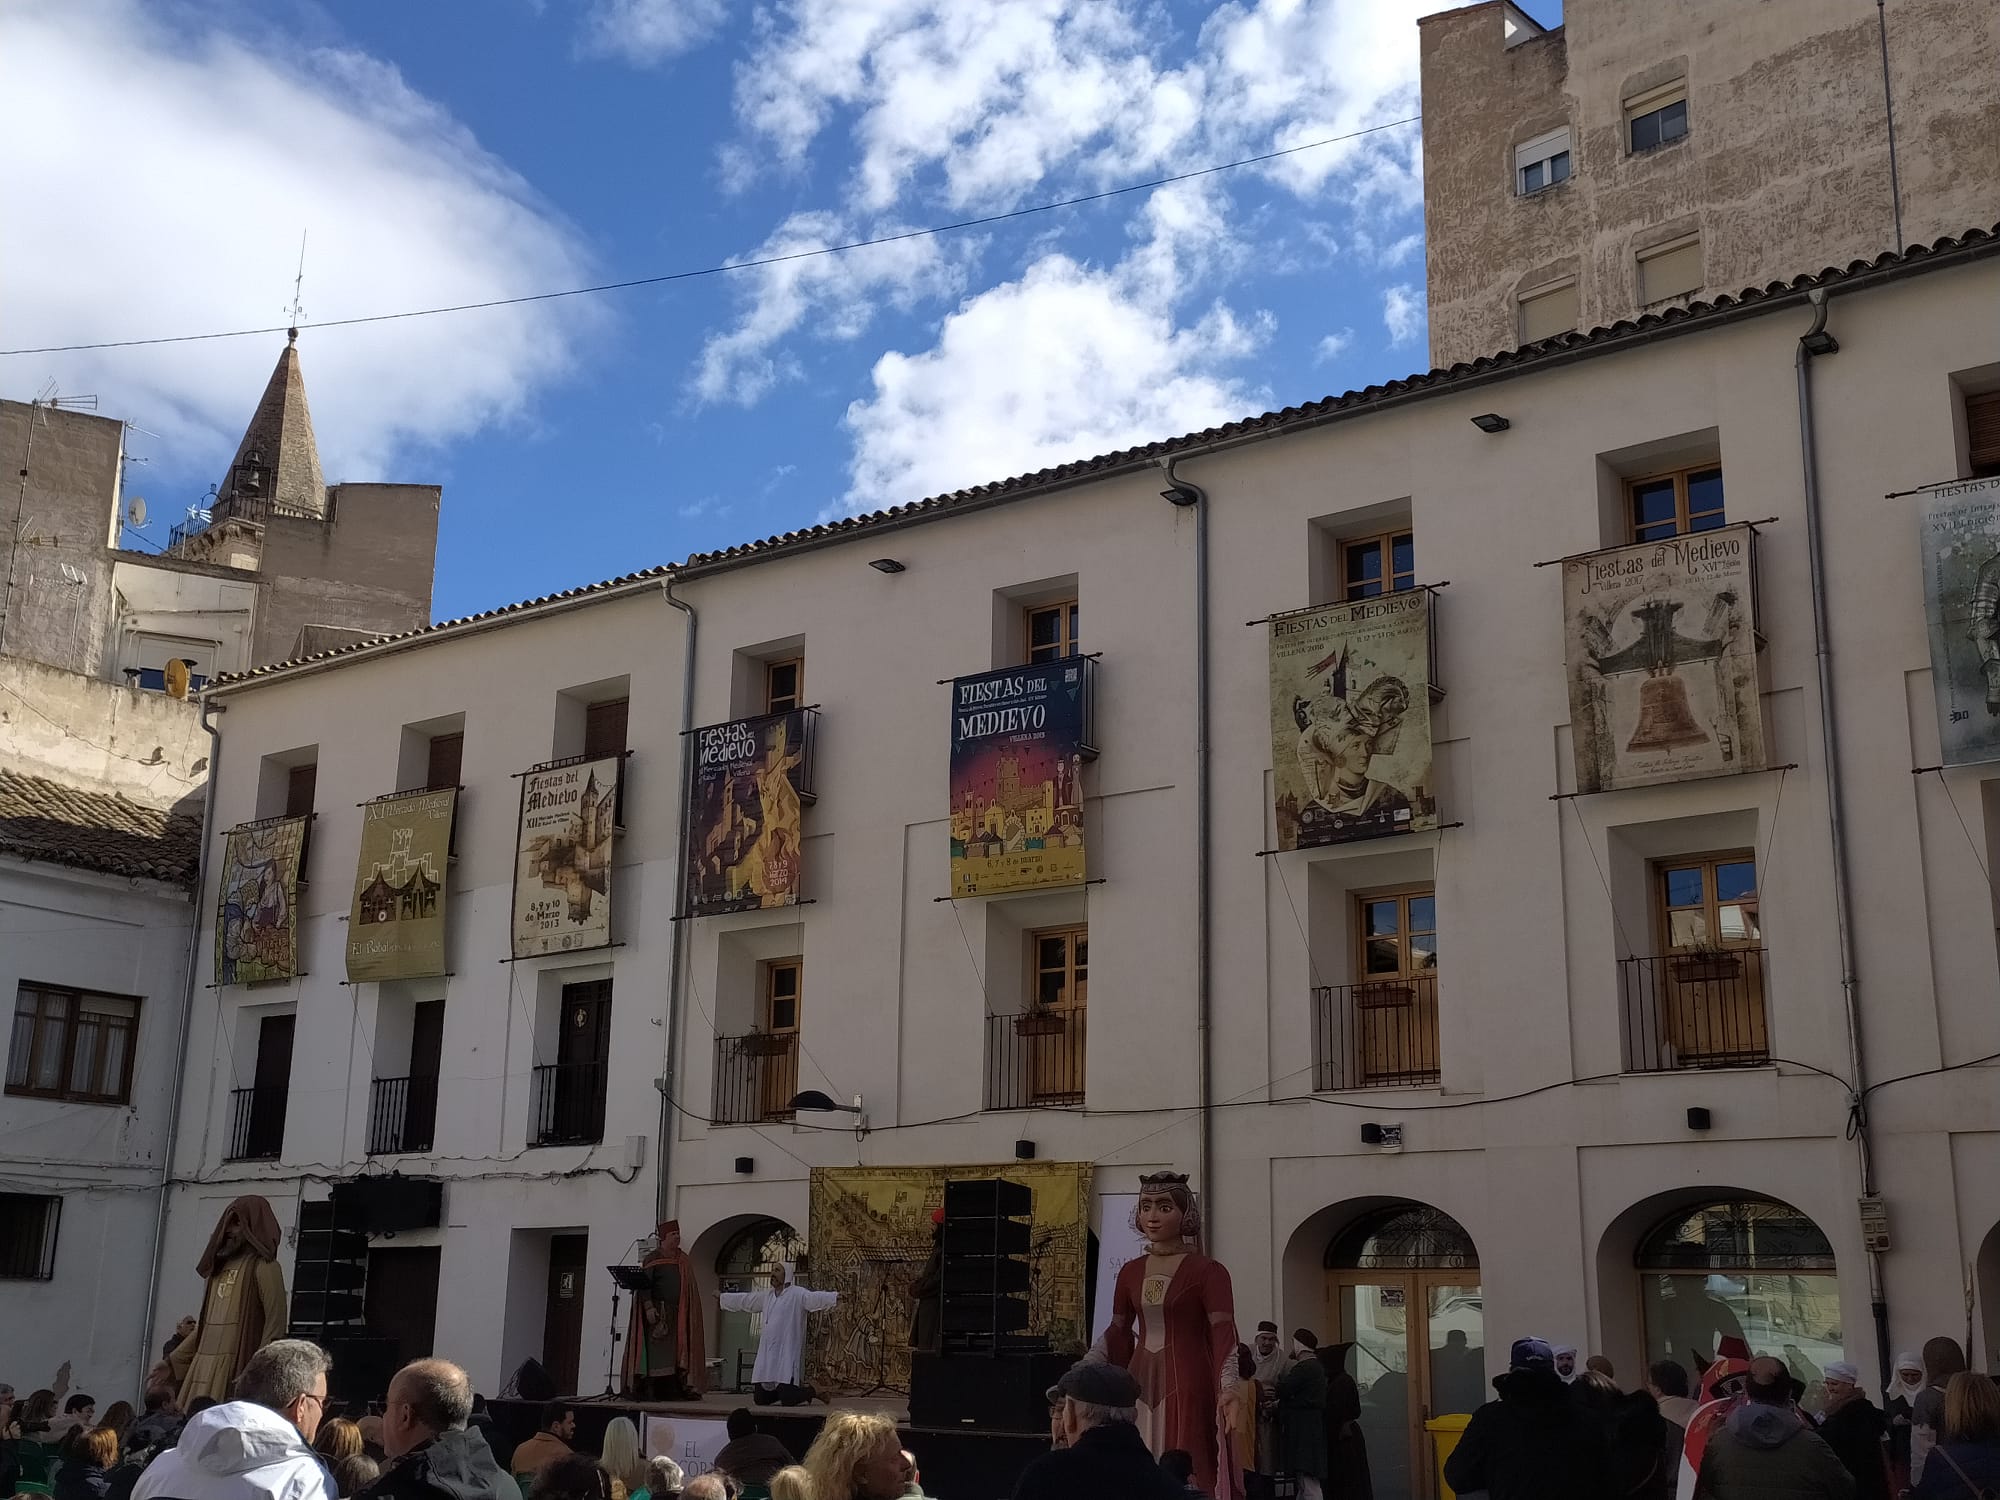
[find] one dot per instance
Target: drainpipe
(214, 733)
(1889, 116)
(1816, 341)
(678, 960)
(1191, 496)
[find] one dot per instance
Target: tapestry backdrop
(743, 814)
(870, 1234)
(257, 913)
(1019, 738)
(1662, 658)
(1351, 720)
(395, 928)
(562, 871)
(1961, 552)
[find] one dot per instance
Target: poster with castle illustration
(870, 1234)
(1019, 738)
(257, 908)
(1661, 644)
(747, 780)
(562, 864)
(1960, 536)
(395, 926)
(1351, 720)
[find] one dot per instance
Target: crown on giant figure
(1158, 1180)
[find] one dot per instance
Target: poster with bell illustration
(1961, 551)
(1661, 643)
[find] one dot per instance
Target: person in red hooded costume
(1173, 1325)
(666, 1351)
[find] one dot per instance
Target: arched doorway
(1753, 1269)
(1403, 1287)
(743, 1264)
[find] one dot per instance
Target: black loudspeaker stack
(986, 1234)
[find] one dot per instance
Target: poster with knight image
(744, 795)
(1960, 537)
(562, 866)
(395, 927)
(1019, 738)
(1661, 648)
(1351, 720)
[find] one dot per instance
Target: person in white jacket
(257, 1447)
(781, 1348)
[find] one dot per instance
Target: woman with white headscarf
(1899, 1404)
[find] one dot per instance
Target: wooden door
(401, 1299)
(1395, 989)
(272, 1082)
(1056, 1014)
(581, 1051)
(562, 1323)
(1714, 983)
(778, 1070)
(426, 1057)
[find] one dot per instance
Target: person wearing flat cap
(1103, 1453)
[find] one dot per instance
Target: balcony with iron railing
(1378, 1034)
(254, 508)
(256, 1124)
(568, 1104)
(1034, 1060)
(1699, 1008)
(756, 1076)
(402, 1114)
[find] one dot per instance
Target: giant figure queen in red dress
(1173, 1325)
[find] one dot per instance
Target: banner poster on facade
(1019, 737)
(562, 870)
(1117, 1242)
(395, 928)
(1351, 720)
(1661, 646)
(744, 789)
(1961, 553)
(257, 909)
(869, 1235)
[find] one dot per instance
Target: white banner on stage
(1117, 1242)
(691, 1442)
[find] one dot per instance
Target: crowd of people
(1555, 1431)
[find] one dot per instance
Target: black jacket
(1106, 1461)
(81, 1481)
(753, 1458)
(451, 1466)
(1534, 1443)
(1858, 1435)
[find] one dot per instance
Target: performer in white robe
(781, 1347)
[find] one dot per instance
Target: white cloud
(171, 175)
(650, 31)
(1067, 361)
(839, 292)
(1403, 313)
(1333, 346)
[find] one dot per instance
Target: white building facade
(1534, 1159)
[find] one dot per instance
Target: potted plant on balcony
(1040, 1023)
(763, 1044)
(1384, 994)
(1704, 963)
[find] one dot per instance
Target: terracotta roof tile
(45, 820)
(1560, 349)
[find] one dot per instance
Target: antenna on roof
(296, 312)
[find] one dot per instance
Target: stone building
(1642, 156)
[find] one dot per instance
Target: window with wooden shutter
(604, 728)
(447, 759)
(301, 783)
(1982, 434)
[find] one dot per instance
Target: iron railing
(1693, 1009)
(237, 507)
(256, 1123)
(1034, 1059)
(402, 1114)
(756, 1076)
(569, 1104)
(1377, 1034)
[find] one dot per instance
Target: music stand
(631, 1279)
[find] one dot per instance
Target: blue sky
(460, 150)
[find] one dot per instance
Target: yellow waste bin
(1445, 1432)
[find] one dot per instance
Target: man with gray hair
(258, 1446)
(433, 1454)
(1103, 1454)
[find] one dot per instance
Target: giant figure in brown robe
(243, 1308)
(666, 1351)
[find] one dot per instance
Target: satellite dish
(135, 513)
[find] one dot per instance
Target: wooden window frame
(1982, 433)
(1075, 972)
(1402, 896)
(1708, 861)
(1069, 632)
(1395, 582)
(72, 1002)
(776, 702)
(51, 1232)
(796, 967)
(1682, 518)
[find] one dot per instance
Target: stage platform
(964, 1464)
